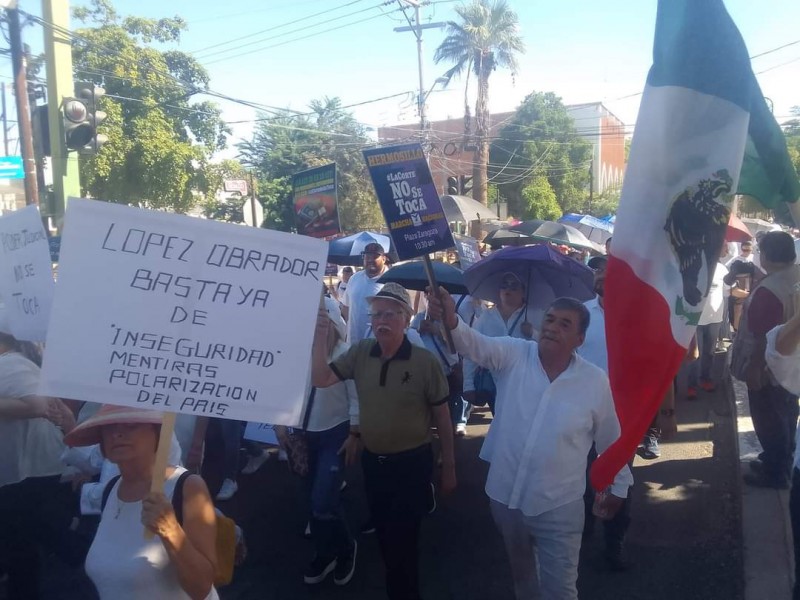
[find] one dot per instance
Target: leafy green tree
(211, 185)
(157, 137)
(288, 143)
(541, 141)
(485, 38)
(540, 200)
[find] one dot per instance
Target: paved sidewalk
(767, 534)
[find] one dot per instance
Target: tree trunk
(480, 190)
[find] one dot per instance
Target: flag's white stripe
(681, 136)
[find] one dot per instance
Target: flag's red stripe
(643, 358)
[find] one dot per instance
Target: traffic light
(465, 184)
(81, 119)
(452, 186)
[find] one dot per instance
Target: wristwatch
(668, 412)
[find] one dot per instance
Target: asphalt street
(685, 538)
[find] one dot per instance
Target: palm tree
(486, 38)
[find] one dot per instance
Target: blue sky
(583, 50)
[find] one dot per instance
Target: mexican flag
(701, 110)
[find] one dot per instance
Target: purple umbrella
(546, 273)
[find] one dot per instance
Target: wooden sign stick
(160, 468)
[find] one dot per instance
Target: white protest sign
(26, 273)
(261, 432)
(175, 313)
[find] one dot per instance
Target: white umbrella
(465, 209)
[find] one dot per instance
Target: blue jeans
(325, 474)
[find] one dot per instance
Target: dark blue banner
(468, 250)
(408, 199)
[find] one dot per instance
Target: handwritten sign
(26, 275)
(261, 432)
(468, 251)
(408, 199)
(180, 314)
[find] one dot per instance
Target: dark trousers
(774, 411)
(794, 515)
(398, 490)
(325, 474)
(35, 513)
(614, 529)
(231, 432)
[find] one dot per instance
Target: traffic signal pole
(23, 107)
(58, 54)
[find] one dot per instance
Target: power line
(304, 37)
(250, 12)
(279, 26)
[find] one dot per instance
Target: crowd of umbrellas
(525, 248)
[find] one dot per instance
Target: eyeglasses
(371, 253)
(746, 250)
(384, 314)
(511, 285)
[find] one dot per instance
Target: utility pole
(5, 117)
(417, 27)
(23, 106)
(60, 85)
(591, 184)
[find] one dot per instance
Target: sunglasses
(511, 285)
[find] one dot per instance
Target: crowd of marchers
(391, 372)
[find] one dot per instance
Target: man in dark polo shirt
(402, 392)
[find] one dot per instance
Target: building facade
(452, 154)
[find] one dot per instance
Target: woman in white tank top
(178, 562)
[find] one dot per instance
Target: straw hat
(88, 433)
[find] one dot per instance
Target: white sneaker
(461, 430)
(254, 463)
(228, 489)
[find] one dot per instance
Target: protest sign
(26, 273)
(467, 249)
(408, 199)
(315, 207)
(187, 315)
(261, 432)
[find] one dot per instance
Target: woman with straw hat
(179, 561)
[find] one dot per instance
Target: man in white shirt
(708, 332)
(341, 287)
(363, 284)
(552, 405)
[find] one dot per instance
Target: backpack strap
(177, 496)
(107, 492)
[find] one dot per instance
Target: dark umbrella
(504, 237)
(348, 250)
(412, 276)
(558, 233)
(546, 273)
(527, 227)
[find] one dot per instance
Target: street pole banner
(26, 273)
(315, 207)
(467, 249)
(261, 432)
(408, 199)
(174, 313)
